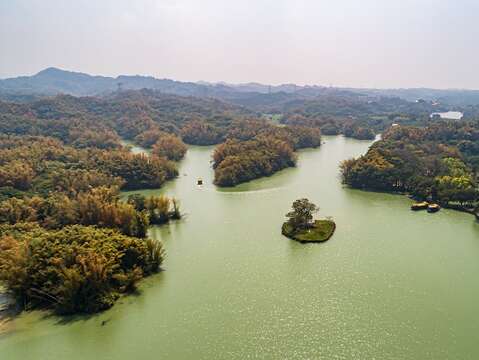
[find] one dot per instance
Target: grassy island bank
(320, 231)
(301, 226)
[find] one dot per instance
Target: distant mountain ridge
(53, 81)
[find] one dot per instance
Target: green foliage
(75, 269)
(358, 132)
(239, 161)
(256, 148)
(82, 246)
(160, 209)
(86, 138)
(170, 147)
(100, 206)
(41, 164)
(319, 231)
(94, 120)
(338, 111)
(298, 137)
(301, 216)
(433, 162)
(67, 241)
(139, 171)
(197, 132)
(149, 137)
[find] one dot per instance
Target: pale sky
(358, 43)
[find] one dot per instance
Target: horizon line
(226, 83)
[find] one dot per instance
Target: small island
(301, 226)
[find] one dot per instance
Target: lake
(451, 115)
(389, 284)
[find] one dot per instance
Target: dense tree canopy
(199, 132)
(301, 216)
(39, 164)
(67, 241)
(133, 115)
(437, 162)
(256, 148)
(74, 269)
(169, 146)
(239, 161)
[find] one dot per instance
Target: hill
(53, 81)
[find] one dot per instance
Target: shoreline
(7, 312)
(288, 232)
(409, 196)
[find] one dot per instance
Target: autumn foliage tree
(170, 147)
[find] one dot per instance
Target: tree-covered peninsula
(438, 163)
(255, 149)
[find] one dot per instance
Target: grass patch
(321, 231)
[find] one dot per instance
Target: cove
(390, 283)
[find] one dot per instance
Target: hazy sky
(361, 43)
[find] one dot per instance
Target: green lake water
(390, 283)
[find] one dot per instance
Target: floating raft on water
(431, 208)
(420, 206)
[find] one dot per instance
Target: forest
(439, 162)
(356, 116)
(70, 243)
(162, 123)
(126, 114)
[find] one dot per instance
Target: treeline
(100, 207)
(206, 121)
(41, 165)
(163, 144)
(148, 118)
(336, 103)
(357, 116)
(333, 126)
(200, 132)
(439, 163)
(255, 149)
(101, 121)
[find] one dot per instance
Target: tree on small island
(301, 226)
(301, 217)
